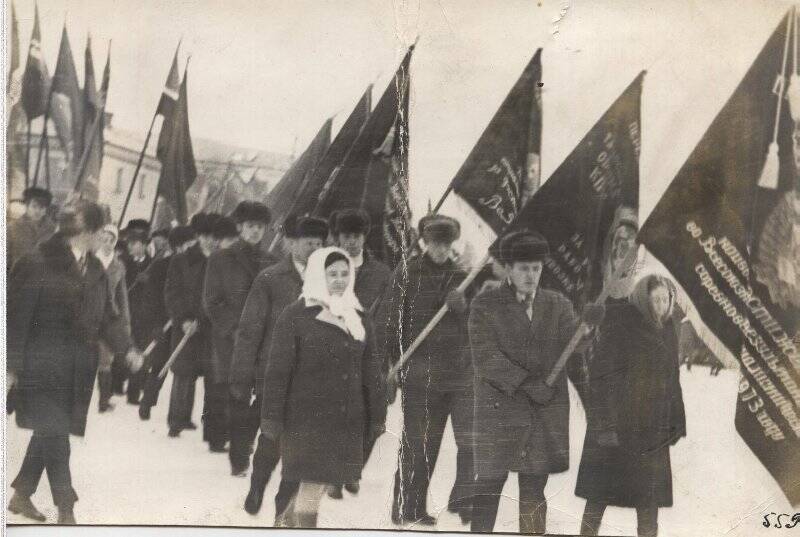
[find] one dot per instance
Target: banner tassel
(769, 174)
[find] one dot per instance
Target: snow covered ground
(129, 472)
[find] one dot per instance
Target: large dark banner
(595, 187)
(502, 170)
(728, 228)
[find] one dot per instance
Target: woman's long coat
(322, 390)
(635, 390)
(183, 298)
(56, 317)
(512, 433)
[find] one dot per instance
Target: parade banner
(167, 103)
(16, 165)
(320, 182)
(374, 175)
(66, 103)
(502, 171)
(580, 206)
(178, 169)
(728, 228)
(281, 198)
(36, 78)
(88, 173)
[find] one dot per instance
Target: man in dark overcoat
(229, 275)
(437, 381)
(273, 289)
(180, 238)
(517, 333)
(34, 226)
(183, 296)
(137, 262)
(60, 307)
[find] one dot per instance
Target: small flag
(36, 78)
(166, 105)
(66, 105)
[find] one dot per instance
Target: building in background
(226, 174)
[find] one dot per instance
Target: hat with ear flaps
(350, 221)
(251, 211)
(439, 228)
(522, 246)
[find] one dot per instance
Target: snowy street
(129, 471)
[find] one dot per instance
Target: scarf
(640, 297)
(346, 307)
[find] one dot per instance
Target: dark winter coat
(512, 433)
(634, 390)
(322, 390)
(156, 282)
(56, 319)
(414, 296)
(142, 322)
(273, 289)
(229, 275)
(24, 235)
(183, 297)
(372, 279)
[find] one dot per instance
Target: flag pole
(43, 135)
(136, 171)
(28, 156)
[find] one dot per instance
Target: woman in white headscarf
(323, 386)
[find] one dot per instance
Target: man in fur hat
(436, 382)
(273, 289)
(517, 333)
(32, 227)
(183, 296)
(180, 238)
(229, 275)
(225, 232)
(137, 261)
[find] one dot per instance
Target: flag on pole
(36, 78)
(94, 109)
(320, 183)
(502, 170)
(374, 175)
(178, 170)
(728, 229)
(167, 103)
(577, 207)
(281, 199)
(15, 150)
(66, 105)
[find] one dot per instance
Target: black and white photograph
(491, 266)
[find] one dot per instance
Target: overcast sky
(266, 72)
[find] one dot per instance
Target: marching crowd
(295, 352)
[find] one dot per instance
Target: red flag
(36, 79)
(727, 229)
(88, 175)
(66, 105)
(178, 169)
(374, 175)
(281, 198)
(166, 105)
(15, 151)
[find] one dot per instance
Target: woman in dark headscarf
(324, 393)
(637, 410)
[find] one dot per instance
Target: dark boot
(173, 432)
(306, 520)
(66, 516)
(352, 488)
(104, 387)
(144, 412)
(252, 504)
(22, 505)
(335, 492)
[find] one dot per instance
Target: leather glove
(538, 392)
(608, 438)
(241, 392)
(593, 314)
(456, 301)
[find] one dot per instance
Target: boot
(252, 504)
(66, 516)
(22, 505)
(352, 488)
(144, 412)
(335, 492)
(306, 520)
(104, 385)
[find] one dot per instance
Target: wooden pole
(136, 171)
(28, 157)
(184, 340)
(43, 138)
